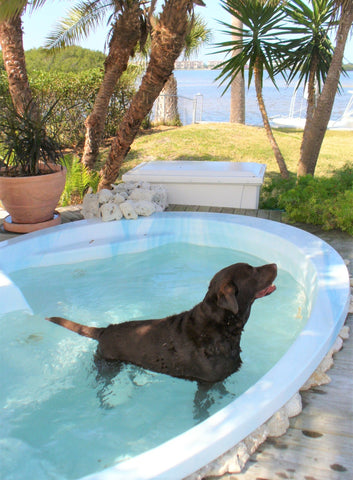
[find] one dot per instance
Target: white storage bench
(211, 184)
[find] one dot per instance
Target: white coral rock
(119, 198)
(319, 377)
(128, 210)
(110, 211)
(125, 199)
(294, 406)
(255, 439)
(316, 379)
(160, 196)
(144, 208)
(350, 308)
(157, 207)
(105, 196)
(141, 194)
(336, 347)
(144, 185)
(344, 333)
(124, 187)
(233, 461)
(90, 206)
(278, 424)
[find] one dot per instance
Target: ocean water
(213, 106)
(59, 418)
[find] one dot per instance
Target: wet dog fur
(201, 344)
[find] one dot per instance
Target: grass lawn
(238, 143)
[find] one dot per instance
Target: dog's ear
(226, 298)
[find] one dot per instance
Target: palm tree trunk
(278, 155)
(237, 89)
(11, 41)
(123, 42)
(316, 126)
(166, 105)
(311, 89)
(237, 100)
(168, 40)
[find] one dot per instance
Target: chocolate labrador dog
(200, 344)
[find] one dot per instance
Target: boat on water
(345, 122)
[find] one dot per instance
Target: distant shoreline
(348, 67)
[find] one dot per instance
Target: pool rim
(160, 462)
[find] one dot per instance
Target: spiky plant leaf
(257, 44)
(310, 47)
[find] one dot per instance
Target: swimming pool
(314, 265)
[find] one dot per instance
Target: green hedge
(76, 93)
(324, 201)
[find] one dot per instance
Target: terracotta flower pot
(32, 200)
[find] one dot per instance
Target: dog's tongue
(265, 291)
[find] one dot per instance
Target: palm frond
(198, 35)
(35, 4)
(80, 21)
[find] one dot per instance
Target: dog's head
(235, 288)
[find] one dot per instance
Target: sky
(40, 23)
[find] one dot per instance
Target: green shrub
(272, 190)
(69, 59)
(339, 213)
(74, 94)
(327, 202)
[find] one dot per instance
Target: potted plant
(31, 177)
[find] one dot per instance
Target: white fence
(190, 110)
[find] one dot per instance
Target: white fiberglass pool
(311, 302)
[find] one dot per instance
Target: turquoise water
(60, 419)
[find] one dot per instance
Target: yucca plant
(257, 46)
(31, 177)
(316, 126)
(310, 49)
(25, 144)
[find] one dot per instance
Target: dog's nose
(272, 267)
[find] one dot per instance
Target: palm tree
(256, 45)
(316, 125)
(11, 41)
(168, 41)
(130, 24)
(167, 101)
(237, 89)
(311, 49)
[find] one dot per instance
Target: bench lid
(196, 171)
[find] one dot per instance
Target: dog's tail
(90, 332)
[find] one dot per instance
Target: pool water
(60, 418)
